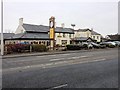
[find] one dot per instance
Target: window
(44, 42)
(48, 43)
(31, 42)
(39, 42)
(59, 35)
(97, 37)
(93, 37)
(35, 42)
(63, 34)
(64, 42)
(69, 35)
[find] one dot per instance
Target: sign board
(51, 33)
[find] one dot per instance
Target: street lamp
(2, 43)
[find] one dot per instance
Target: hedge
(73, 47)
(39, 48)
(17, 47)
(11, 48)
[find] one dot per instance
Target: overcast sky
(101, 16)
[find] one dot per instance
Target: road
(89, 69)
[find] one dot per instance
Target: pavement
(46, 53)
(89, 69)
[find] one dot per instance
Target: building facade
(39, 34)
(63, 36)
(87, 33)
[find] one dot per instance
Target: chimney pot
(21, 21)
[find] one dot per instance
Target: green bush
(39, 48)
(73, 47)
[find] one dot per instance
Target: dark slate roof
(114, 37)
(42, 28)
(82, 38)
(92, 32)
(64, 30)
(35, 28)
(7, 35)
(31, 36)
(83, 30)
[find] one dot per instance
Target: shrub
(39, 48)
(73, 47)
(17, 47)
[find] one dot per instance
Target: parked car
(87, 45)
(95, 45)
(117, 43)
(112, 43)
(109, 44)
(90, 46)
(102, 45)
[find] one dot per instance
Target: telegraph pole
(2, 42)
(52, 32)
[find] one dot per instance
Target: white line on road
(65, 54)
(83, 56)
(58, 59)
(100, 59)
(103, 59)
(40, 56)
(60, 86)
(45, 56)
(75, 57)
(51, 64)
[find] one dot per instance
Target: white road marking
(83, 56)
(60, 62)
(75, 57)
(60, 86)
(65, 54)
(103, 59)
(39, 56)
(57, 59)
(100, 59)
(45, 56)
(51, 64)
